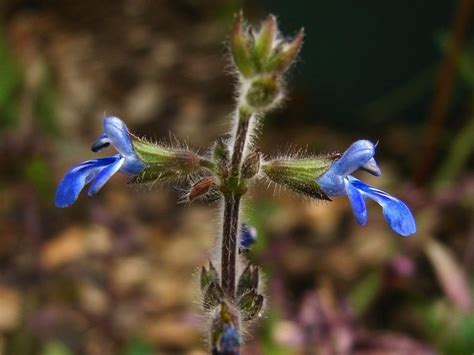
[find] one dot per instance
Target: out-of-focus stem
(443, 91)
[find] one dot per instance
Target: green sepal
(250, 305)
(299, 175)
(240, 44)
(248, 281)
(264, 42)
(285, 54)
(208, 276)
(263, 92)
(163, 163)
(213, 296)
(210, 287)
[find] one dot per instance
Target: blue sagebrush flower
(248, 236)
(337, 181)
(98, 171)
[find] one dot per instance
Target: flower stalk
(232, 297)
(232, 189)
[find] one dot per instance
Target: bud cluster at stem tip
(264, 51)
(261, 57)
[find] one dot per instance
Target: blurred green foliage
(269, 345)
(139, 346)
(365, 291)
(55, 348)
(37, 172)
(10, 84)
(44, 104)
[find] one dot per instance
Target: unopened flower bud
(251, 165)
(240, 46)
(225, 335)
(201, 188)
(229, 342)
(265, 40)
(263, 52)
(285, 54)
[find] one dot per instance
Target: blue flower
(229, 342)
(248, 236)
(98, 171)
(337, 181)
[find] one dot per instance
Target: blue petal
(230, 340)
(357, 202)
(396, 212)
(119, 135)
(132, 166)
(75, 179)
(371, 167)
(356, 156)
(331, 184)
(104, 175)
(248, 236)
(102, 142)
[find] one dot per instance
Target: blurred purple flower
(98, 171)
(229, 342)
(337, 181)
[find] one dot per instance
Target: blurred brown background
(117, 273)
